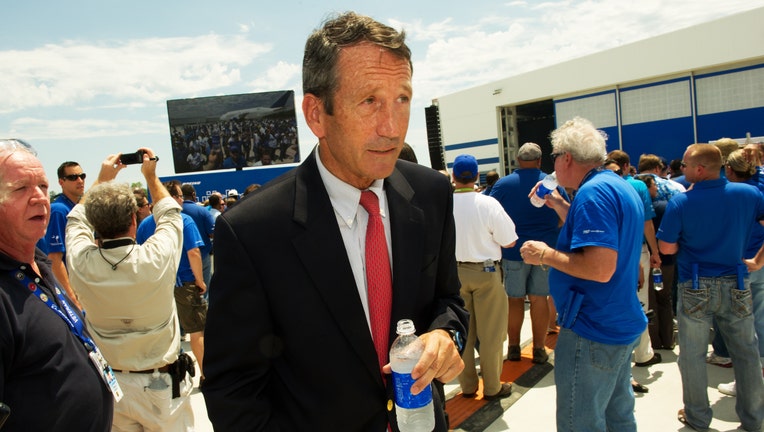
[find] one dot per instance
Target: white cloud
(44, 129)
(147, 70)
(281, 76)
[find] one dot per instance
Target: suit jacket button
(389, 404)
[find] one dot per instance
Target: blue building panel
(613, 141)
(731, 124)
(667, 138)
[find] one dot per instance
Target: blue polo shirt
(191, 239)
(55, 235)
(712, 225)
(205, 223)
(531, 223)
(606, 212)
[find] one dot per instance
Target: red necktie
(378, 278)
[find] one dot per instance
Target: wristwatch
(458, 339)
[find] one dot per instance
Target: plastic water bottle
(657, 279)
(415, 412)
(546, 187)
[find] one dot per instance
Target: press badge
(106, 373)
(488, 266)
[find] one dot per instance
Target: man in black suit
(288, 340)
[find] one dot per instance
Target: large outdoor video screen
(233, 131)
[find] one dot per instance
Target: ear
(313, 110)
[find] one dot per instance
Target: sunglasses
(74, 177)
(554, 156)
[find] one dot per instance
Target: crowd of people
(234, 143)
(291, 327)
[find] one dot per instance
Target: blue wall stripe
(484, 161)
(471, 144)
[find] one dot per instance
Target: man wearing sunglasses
(72, 181)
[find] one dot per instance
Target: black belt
(163, 369)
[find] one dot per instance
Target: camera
(132, 158)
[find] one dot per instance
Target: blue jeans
(719, 299)
(757, 292)
(593, 385)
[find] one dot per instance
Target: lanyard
(70, 317)
(75, 325)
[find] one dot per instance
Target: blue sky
(84, 79)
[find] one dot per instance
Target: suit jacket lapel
(322, 252)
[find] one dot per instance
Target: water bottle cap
(405, 326)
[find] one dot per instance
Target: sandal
(683, 419)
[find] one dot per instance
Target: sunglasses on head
(74, 177)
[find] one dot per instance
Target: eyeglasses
(74, 177)
(554, 156)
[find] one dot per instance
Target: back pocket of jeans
(695, 302)
(742, 302)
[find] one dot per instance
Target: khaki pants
(486, 301)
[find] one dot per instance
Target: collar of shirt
(346, 198)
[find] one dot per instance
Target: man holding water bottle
(592, 272)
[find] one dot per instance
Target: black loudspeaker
(434, 140)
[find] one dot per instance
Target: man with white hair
(46, 374)
(592, 277)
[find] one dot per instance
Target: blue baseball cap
(465, 167)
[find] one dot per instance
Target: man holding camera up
(128, 292)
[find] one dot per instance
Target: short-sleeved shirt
(205, 223)
(606, 212)
(712, 226)
(757, 231)
(482, 227)
(531, 223)
(191, 239)
(55, 236)
(644, 196)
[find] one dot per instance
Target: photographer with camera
(127, 290)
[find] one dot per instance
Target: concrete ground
(533, 409)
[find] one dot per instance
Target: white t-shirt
(482, 227)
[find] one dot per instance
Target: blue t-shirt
(644, 196)
(606, 212)
(55, 235)
(712, 225)
(531, 223)
(191, 239)
(205, 223)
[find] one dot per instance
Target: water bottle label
(542, 191)
(403, 396)
(657, 279)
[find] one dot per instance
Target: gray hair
(584, 142)
(322, 49)
(8, 146)
(109, 208)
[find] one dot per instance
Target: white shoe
(728, 389)
(714, 359)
